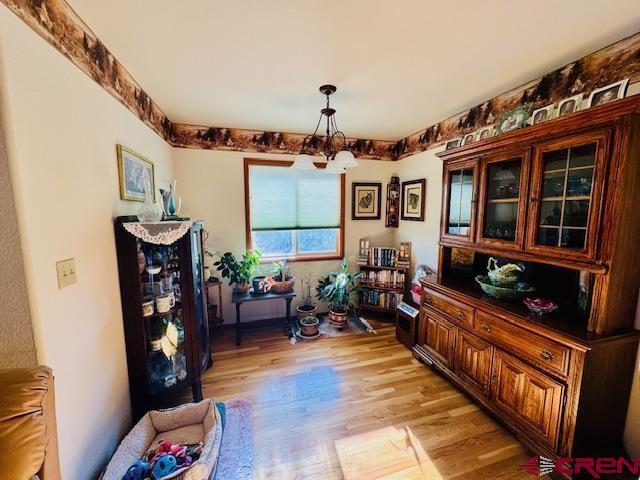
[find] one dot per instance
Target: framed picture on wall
(133, 170)
(413, 200)
(365, 200)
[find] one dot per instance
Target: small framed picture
(133, 171)
(513, 119)
(542, 114)
(413, 200)
(486, 132)
(607, 94)
(569, 105)
(469, 138)
(453, 143)
(365, 200)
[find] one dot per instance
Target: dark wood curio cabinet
(164, 310)
(559, 198)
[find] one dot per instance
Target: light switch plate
(66, 272)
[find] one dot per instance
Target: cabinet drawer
(541, 352)
(448, 306)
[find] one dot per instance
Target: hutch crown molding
(561, 197)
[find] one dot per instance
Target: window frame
(248, 162)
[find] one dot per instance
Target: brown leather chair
(28, 435)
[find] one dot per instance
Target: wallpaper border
(57, 23)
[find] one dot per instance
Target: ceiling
(399, 66)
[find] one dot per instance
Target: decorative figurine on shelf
(170, 206)
(393, 202)
(149, 211)
(504, 282)
(504, 276)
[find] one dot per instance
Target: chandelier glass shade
(333, 145)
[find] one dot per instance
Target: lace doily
(159, 233)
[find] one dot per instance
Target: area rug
(235, 460)
(356, 326)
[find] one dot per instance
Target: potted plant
(337, 290)
(239, 272)
(282, 278)
(307, 307)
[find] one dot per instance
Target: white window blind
(286, 199)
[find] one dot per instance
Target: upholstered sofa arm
(28, 424)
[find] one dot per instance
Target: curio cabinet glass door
(566, 194)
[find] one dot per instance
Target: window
(293, 214)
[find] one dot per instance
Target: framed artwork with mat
(413, 200)
(365, 200)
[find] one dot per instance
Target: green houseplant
(282, 277)
(307, 307)
(337, 290)
(239, 272)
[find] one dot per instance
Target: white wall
(62, 130)
(211, 184)
(424, 236)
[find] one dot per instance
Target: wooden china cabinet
(561, 198)
(164, 310)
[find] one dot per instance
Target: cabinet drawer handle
(461, 314)
(545, 355)
(486, 327)
(427, 299)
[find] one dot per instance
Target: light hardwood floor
(356, 407)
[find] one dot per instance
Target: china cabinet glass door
(459, 209)
(501, 211)
(566, 192)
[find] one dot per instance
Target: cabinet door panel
(437, 337)
(473, 361)
(459, 201)
(529, 397)
(502, 200)
(566, 196)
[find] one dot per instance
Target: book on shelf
(389, 300)
(386, 278)
(379, 257)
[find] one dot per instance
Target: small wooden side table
(214, 310)
(240, 298)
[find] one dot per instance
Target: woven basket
(284, 287)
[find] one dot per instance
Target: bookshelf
(385, 273)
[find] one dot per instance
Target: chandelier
(333, 145)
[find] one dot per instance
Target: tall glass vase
(150, 211)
